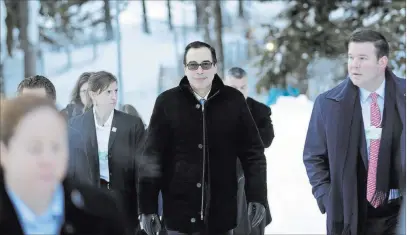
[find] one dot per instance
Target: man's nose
(199, 70)
(355, 63)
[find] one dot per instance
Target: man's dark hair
(369, 35)
(38, 81)
(237, 72)
(196, 45)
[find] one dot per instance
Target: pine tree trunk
(219, 43)
(205, 21)
(170, 26)
(241, 9)
(198, 12)
(146, 27)
(28, 39)
(108, 20)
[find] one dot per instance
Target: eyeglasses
(204, 65)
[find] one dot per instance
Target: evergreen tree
(313, 31)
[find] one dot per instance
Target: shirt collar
(364, 94)
(55, 209)
(198, 97)
(108, 122)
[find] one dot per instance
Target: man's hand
(256, 212)
(150, 224)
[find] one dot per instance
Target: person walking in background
(261, 113)
(130, 109)
(35, 195)
(43, 87)
(37, 85)
(237, 78)
(191, 150)
(113, 141)
(355, 145)
(78, 97)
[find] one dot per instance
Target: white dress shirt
(365, 102)
(103, 135)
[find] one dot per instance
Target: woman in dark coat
(78, 97)
(112, 141)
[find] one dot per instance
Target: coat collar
(217, 85)
(9, 222)
(343, 89)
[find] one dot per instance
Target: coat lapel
(345, 98)
(400, 96)
(113, 130)
(89, 125)
(92, 144)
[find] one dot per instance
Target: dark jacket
(261, 114)
(72, 110)
(125, 143)
(196, 150)
(87, 211)
(334, 160)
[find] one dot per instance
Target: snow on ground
(293, 207)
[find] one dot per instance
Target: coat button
(77, 199)
(197, 106)
(193, 220)
(198, 185)
(69, 229)
(200, 146)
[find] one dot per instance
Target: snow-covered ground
(292, 204)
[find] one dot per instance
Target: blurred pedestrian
(35, 195)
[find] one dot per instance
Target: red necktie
(375, 198)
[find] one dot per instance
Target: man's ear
(383, 62)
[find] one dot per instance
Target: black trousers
(384, 219)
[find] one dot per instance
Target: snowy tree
(70, 20)
(319, 29)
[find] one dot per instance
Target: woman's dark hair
(98, 82)
(75, 95)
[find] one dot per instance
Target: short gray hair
(237, 72)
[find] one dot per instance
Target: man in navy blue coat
(355, 147)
